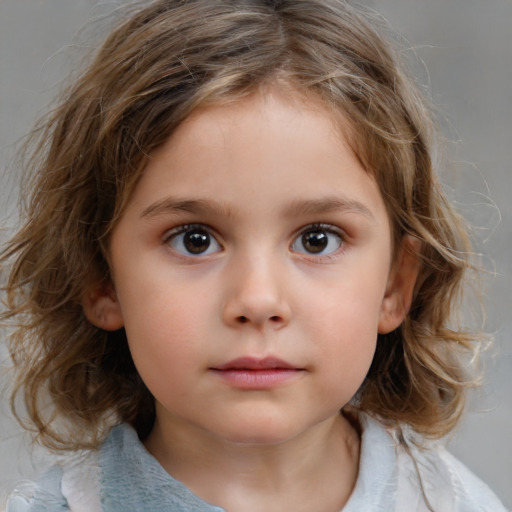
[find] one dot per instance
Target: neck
(290, 475)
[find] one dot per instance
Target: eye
(317, 239)
(192, 240)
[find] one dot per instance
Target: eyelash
(321, 227)
(172, 236)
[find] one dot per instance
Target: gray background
(466, 45)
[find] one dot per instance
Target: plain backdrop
(461, 50)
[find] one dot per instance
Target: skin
(252, 178)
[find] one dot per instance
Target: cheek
(165, 352)
(158, 301)
(350, 346)
(348, 363)
(344, 323)
(349, 305)
(163, 326)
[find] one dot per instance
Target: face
(252, 270)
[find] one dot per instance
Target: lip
(257, 374)
(254, 363)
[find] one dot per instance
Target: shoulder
(471, 492)
(448, 485)
(400, 471)
(40, 495)
(74, 484)
(69, 486)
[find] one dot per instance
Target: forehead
(282, 107)
(267, 149)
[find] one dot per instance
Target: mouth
(255, 364)
(257, 374)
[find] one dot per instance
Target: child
(236, 274)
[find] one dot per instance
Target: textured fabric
(124, 477)
(80, 483)
(133, 481)
(42, 496)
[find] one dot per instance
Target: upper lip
(254, 363)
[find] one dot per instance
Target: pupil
(196, 242)
(315, 241)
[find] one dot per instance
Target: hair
(159, 65)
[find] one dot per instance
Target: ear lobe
(399, 291)
(102, 308)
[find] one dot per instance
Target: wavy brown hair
(158, 65)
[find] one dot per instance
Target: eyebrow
(170, 205)
(173, 206)
(327, 205)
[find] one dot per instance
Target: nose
(257, 295)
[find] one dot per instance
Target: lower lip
(257, 379)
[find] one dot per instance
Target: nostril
(243, 319)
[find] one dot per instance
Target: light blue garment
(126, 478)
(132, 480)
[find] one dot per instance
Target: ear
(101, 307)
(399, 291)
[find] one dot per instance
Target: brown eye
(315, 241)
(193, 241)
(196, 242)
(318, 240)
